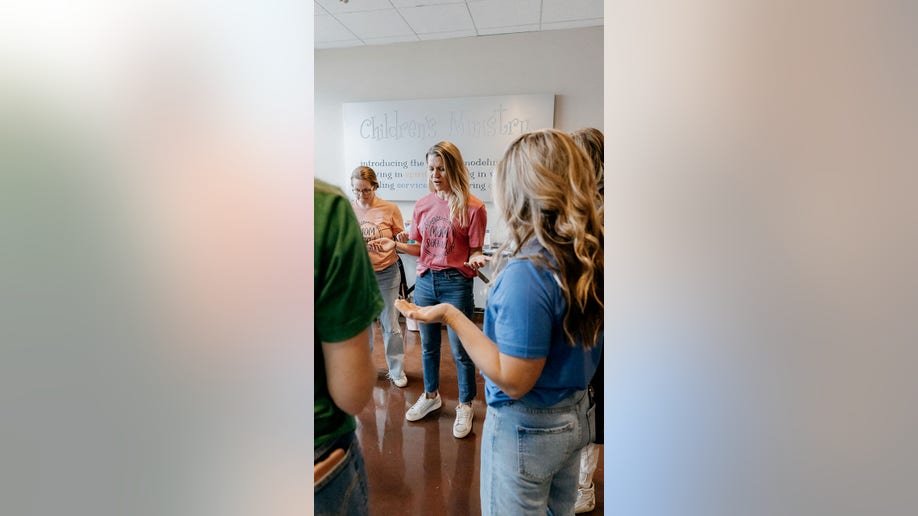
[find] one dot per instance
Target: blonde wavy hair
(591, 141)
(545, 189)
(458, 175)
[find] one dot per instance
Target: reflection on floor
(420, 468)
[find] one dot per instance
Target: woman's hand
(384, 245)
(425, 314)
(478, 261)
(402, 237)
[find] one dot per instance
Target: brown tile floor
(420, 468)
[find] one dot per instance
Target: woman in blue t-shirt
(543, 327)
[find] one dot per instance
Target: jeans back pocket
(542, 451)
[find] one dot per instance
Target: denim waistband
(573, 400)
(446, 273)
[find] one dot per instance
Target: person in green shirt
(347, 301)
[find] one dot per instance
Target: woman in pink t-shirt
(449, 227)
(382, 219)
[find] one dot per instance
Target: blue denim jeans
(343, 491)
(446, 286)
(389, 280)
(530, 457)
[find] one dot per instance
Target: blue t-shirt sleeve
(523, 311)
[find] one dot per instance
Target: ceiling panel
(572, 24)
(393, 39)
(375, 24)
(378, 22)
(336, 6)
(507, 30)
(567, 10)
(418, 3)
(448, 35)
(505, 13)
(329, 29)
(438, 18)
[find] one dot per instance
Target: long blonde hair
(591, 141)
(544, 187)
(458, 175)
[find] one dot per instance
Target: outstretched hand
(477, 262)
(424, 314)
(381, 244)
(402, 237)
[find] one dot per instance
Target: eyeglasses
(364, 191)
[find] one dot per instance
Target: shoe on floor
(586, 499)
(463, 424)
(401, 381)
(422, 407)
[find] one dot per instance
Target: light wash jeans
(343, 491)
(389, 281)
(447, 286)
(530, 457)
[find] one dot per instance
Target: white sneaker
(586, 499)
(422, 407)
(401, 381)
(463, 424)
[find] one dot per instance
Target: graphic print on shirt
(437, 241)
(370, 230)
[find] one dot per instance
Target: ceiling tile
(447, 35)
(340, 44)
(329, 29)
(336, 6)
(368, 22)
(505, 13)
(507, 30)
(573, 24)
(376, 24)
(392, 39)
(567, 10)
(438, 18)
(419, 3)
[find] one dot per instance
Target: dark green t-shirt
(347, 297)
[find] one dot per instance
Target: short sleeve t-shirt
(444, 244)
(347, 298)
(524, 316)
(381, 219)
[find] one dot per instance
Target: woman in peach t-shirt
(382, 219)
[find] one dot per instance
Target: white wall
(566, 63)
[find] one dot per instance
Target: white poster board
(392, 137)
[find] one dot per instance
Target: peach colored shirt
(381, 219)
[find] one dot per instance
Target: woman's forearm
(514, 376)
(481, 349)
(412, 249)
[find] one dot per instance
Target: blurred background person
(591, 141)
(382, 219)
(347, 301)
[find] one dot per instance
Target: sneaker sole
(422, 416)
(458, 436)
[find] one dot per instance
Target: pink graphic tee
(381, 219)
(445, 245)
